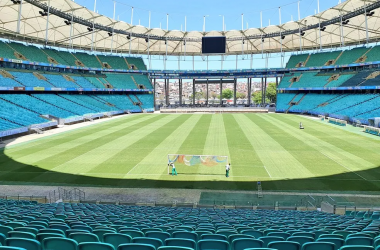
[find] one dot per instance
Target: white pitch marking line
(268, 172)
(132, 169)
(343, 166)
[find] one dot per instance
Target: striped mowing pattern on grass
(132, 152)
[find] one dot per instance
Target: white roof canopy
(32, 28)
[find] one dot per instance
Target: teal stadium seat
(84, 237)
(28, 244)
(136, 246)
(285, 245)
(180, 243)
(150, 241)
(59, 243)
(213, 244)
(95, 246)
(241, 244)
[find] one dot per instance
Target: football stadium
(129, 126)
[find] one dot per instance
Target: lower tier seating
(73, 226)
(18, 110)
(342, 106)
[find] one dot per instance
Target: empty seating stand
(121, 227)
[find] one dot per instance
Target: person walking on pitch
(174, 172)
(228, 167)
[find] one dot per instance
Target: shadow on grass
(13, 172)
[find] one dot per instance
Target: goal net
(186, 161)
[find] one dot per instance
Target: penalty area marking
(268, 172)
(343, 166)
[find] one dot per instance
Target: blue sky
(195, 10)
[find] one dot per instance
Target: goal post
(196, 160)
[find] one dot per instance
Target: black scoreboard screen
(214, 45)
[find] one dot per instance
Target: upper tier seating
(320, 59)
(143, 79)
(116, 62)
(36, 54)
(120, 81)
(32, 53)
(88, 60)
(6, 51)
(313, 79)
(138, 62)
(295, 60)
(351, 56)
(129, 227)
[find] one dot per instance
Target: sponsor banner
(13, 131)
(6, 88)
(19, 88)
(55, 89)
(15, 61)
(39, 88)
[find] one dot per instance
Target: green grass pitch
(132, 152)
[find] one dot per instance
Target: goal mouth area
(184, 161)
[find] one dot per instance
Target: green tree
(271, 92)
(198, 96)
(257, 97)
(240, 95)
(227, 94)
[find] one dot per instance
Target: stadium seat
(241, 244)
(149, 241)
(51, 231)
(23, 235)
(28, 244)
(180, 243)
(213, 244)
(185, 235)
(116, 239)
(330, 236)
(26, 229)
(357, 247)
(337, 241)
(132, 233)
(2, 239)
(284, 245)
(174, 248)
(101, 232)
(268, 239)
(11, 248)
(359, 241)
(95, 246)
(42, 236)
(213, 237)
(280, 234)
(135, 246)
(84, 237)
(59, 244)
(254, 233)
(300, 239)
(319, 246)
(158, 235)
(5, 229)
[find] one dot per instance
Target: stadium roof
(270, 39)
